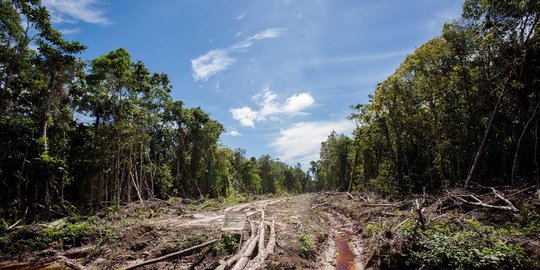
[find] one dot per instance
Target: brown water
(345, 258)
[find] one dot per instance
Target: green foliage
(372, 229)
(445, 245)
(307, 246)
(68, 234)
(228, 244)
(206, 205)
(423, 126)
(3, 226)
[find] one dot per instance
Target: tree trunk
(537, 157)
(482, 147)
(514, 164)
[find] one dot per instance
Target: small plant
(3, 226)
(227, 245)
(307, 247)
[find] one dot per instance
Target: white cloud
(68, 31)
(298, 102)
(302, 141)
(241, 16)
(269, 108)
(233, 132)
(72, 11)
(219, 60)
(245, 115)
(211, 63)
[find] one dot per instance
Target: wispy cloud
(233, 132)
(72, 11)
(362, 57)
(301, 142)
(219, 60)
(71, 31)
(269, 108)
(241, 16)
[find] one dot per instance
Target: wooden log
(174, 254)
(242, 262)
(258, 261)
(233, 259)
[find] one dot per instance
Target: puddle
(345, 256)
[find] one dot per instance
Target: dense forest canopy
(135, 142)
(462, 108)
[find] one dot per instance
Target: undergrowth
(459, 243)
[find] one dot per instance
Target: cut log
(172, 255)
(233, 259)
(248, 253)
(258, 261)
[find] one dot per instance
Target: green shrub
(445, 245)
(30, 237)
(307, 247)
(3, 226)
(227, 245)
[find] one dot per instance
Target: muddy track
(337, 246)
(342, 249)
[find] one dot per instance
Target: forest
(461, 109)
(101, 168)
(107, 131)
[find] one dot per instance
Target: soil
(168, 231)
(333, 223)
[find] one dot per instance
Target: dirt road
(308, 236)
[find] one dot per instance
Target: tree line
(463, 108)
(106, 131)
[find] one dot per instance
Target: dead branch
(14, 225)
(498, 195)
(482, 204)
(380, 204)
(350, 196)
(320, 205)
(172, 255)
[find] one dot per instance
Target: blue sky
(279, 75)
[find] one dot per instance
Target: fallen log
(258, 261)
(172, 255)
(241, 263)
(229, 262)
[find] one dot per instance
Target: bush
(227, 245)
(307, 247)
(445, 245)
(30, 237)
